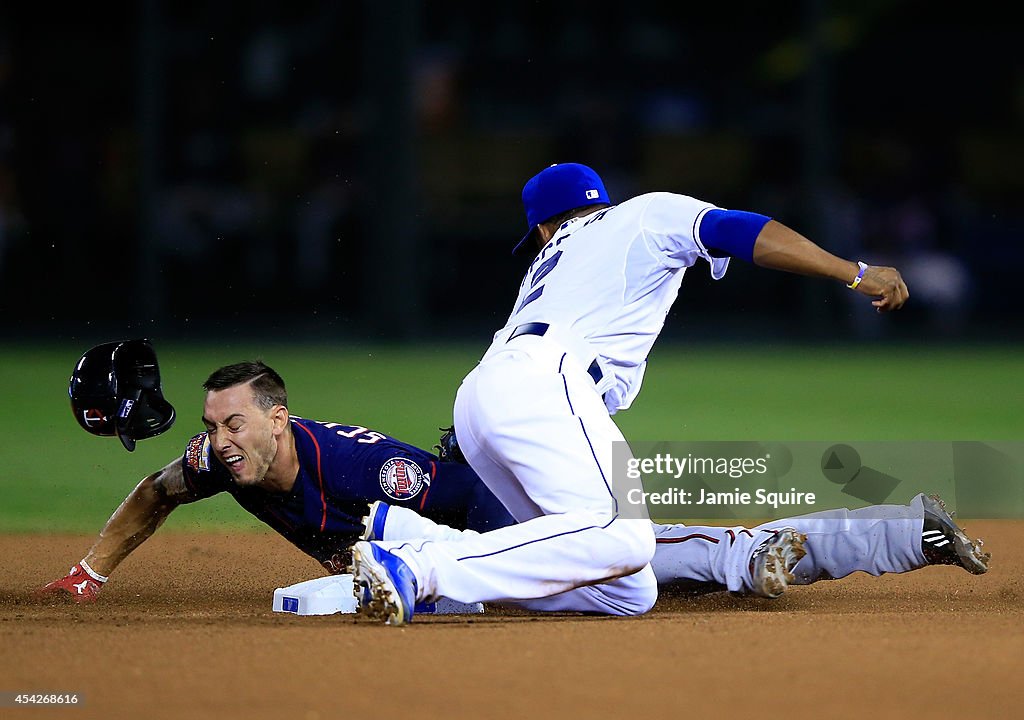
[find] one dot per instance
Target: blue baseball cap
(558, 188)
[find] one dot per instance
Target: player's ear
(543, 235)
(279, 415)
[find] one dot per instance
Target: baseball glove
(448, 449)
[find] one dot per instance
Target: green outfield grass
(55, 477)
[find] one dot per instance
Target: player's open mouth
(232, 460)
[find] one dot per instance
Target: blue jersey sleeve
(731, 232)
(382, 468)
(344, 468)
(459, 498)
(204, 475)
(352, 466)
(394, 472)
(401, 474)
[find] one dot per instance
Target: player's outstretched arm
(138, 517)
(780, 248)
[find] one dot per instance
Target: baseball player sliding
(534, 417)
(313, 482)
(310, 481)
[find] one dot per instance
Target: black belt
(539, 328)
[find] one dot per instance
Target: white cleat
(383, 585)
(373, 521)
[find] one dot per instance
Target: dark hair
(267, 386)
(574, 212)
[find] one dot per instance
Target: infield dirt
(185, 629)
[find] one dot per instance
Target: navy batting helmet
(115, 390)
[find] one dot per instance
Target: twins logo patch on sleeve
(197, 454)
(401, 478)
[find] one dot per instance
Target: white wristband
(860, 275)
(92, 573)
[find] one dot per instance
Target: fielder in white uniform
(534, 417)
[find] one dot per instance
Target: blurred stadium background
(352, 169)
(334, 186)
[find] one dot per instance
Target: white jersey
(606, 281)
(533, 418)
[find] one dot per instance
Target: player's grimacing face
(241, 433)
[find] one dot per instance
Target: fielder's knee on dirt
(635, 544)
(631, 595)
(648, 600)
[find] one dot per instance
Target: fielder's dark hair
(574, 212)
(561, 217)
(267, 386)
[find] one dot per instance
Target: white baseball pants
(533, 427)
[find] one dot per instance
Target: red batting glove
(82, 583)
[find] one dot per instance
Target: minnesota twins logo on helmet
(93, 417)
(402, 479)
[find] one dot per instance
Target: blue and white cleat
(383, 585)
(373, 523)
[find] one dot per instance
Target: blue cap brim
(526, 238)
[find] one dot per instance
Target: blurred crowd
(254, 165)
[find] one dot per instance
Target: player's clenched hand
(886, 285)
(80, 585)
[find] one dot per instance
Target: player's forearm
(137, 518)
(780, 248)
